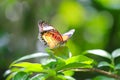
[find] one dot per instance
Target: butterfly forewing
(44, 27)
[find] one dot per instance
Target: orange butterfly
(51, 36)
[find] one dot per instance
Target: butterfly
(51, 36)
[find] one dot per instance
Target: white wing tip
(73, 30)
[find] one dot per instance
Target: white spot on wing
(44, 27)
(47, 28)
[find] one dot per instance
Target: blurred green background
(97, 24)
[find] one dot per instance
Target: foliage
(111, 63)
(114, 67)
(58, 68)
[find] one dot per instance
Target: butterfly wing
(67, 35)
(49, 34)
(44, 27)
(53, 38)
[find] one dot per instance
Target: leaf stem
(99, 71)
(113, 64)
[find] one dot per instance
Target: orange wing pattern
(52, 38)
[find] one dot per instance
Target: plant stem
(99, 71)
(113, 64)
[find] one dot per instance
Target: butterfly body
(51, 36)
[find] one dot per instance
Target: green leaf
(103, 78)
(48, 75)
(69, 78)
(29, 67)
(50, 72)
(62, 77)
(51, 65)
(68, 73)
(39, 77)
(15, 69)
(21, 76)
(104, 63)
(117, 66)
(35, 55)
(55, 64)
(99, 52)
(75, 65)
(60, 62)
(10, 76)
(59, 77)
(116, 53)
(79, 59)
